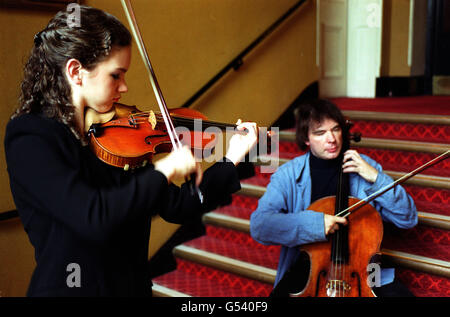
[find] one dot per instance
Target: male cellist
(282, 217)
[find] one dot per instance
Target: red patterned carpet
(436, 105)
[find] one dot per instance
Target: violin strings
(142, 117)
(144, 114)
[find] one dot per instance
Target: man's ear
(74, 71)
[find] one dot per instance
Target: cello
(338, 266)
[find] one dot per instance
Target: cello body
(329, 277)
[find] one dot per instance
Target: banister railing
(237, 62)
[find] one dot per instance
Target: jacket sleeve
(273, 223)
(218, 183)
(395, 205)
(45, 178)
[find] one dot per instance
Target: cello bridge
(337, 288)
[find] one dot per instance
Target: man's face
(325, 139)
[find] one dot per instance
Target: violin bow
(154, 82)
(129, 12)
(346, 212)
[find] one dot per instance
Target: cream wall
(17, 29)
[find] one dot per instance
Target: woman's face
(104, 85)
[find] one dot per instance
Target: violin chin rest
(93, 117)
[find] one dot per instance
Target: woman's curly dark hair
(45, 89)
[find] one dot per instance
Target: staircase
(227, 262)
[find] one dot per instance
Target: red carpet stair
(227, 262)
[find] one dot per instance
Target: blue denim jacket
(282, 217)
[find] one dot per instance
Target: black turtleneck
(324, 177)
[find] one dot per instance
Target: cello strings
(338, 241)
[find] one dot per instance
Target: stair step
(239, 219)
(403, 131)
(162, 291)
(421, 240)
(405, 162)
(430, 254)
(418, 263)
(288, 137)
(397, 155)
(401, 106)
(427, 199)
(236, 245)
(225, 263)
(435, 269)
(421, 179)
(240, 240)
(193, 279)
(415, 118)
(424, 285)
(249, 194)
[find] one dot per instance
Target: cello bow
(346, 212)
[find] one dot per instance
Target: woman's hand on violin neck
(332, 223)
(354, 163)
(241, 144)
(180, 163)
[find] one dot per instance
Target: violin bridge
(152, 119)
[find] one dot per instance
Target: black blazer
(78, 211)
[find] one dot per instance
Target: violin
(129, 138)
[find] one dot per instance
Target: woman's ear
(74, 71)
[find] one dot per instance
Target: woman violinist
(78, 212)
(282, 216)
